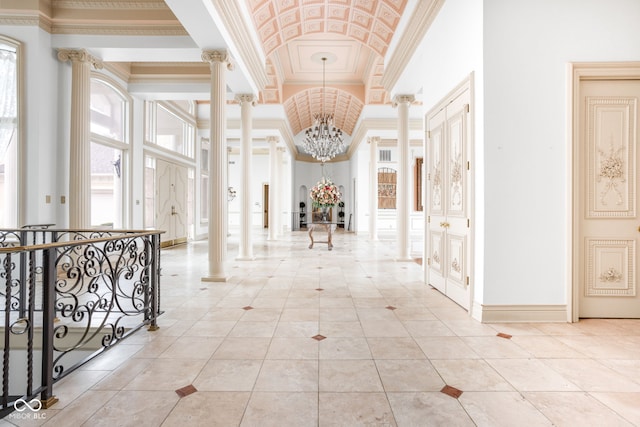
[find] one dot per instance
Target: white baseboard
(520, 313)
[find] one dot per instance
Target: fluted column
(403, 102)
(281, 190)
(218, 61)
(373, 190)
(245, 249)
(273, 187)
(80, 132)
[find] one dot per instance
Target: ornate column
(218, 61)
(273, 187)
(403, 102)
(281, 190)
(373, 190)
(245, 249)
(80, 149)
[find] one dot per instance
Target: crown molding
(231, 15)
(102, 4)
(120, 30)
(411, 38)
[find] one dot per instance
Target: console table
(329, 227)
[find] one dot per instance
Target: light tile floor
(347, 337)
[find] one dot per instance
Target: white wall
(527, 46)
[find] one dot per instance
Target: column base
(214, 279)
(403, 259)
(245, 258)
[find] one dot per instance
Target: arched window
(109, 153)
(9, 131)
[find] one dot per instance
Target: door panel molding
(603, 138)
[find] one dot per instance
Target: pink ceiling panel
(366, 5)
(338, 27)
(285, 5)
(361, 19)
(338, 12)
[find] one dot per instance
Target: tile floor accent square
(319, 289)
(503, 335)
(247, 308)
(186, 390)
(390, 307)
(318, 337)
(451, 391)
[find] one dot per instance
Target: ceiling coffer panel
(301, 108)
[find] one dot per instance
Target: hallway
(346, 337)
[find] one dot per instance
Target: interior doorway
(606, 155)
(172, 207)
(448, 242)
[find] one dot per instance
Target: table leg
(311, 236)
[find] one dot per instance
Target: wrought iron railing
(65, 297)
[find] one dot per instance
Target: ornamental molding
(79, 55)
(417, 27)
(120, 30)
(403, 99)
(246, 97)
(102, 4)
(221, 56)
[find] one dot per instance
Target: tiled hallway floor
(348, 337)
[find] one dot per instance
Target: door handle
(173, 210)
(444, 224)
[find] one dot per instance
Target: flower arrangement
(325, 194)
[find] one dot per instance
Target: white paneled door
(448, 225)
(172, 193)
(609, 226)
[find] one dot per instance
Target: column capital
(373, 140)
(222, 56)
(403, 99)
(247, 97)
(273, 139)
(79, 55)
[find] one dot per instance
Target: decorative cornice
(79, 55)
(373, 139)
(221, 56)
(231, 15)
(273, 139)
(377, 124)
(411, 38)
(102, 4)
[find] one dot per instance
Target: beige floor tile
(413, 313)
(76, 413)
(470, 375)
(72, 386)
(192, 348)
(355, 409)
(167, 374)
(208, 409)
(281, 409)
(340, 314)
(242, 348)
(253, 329)
(591, 375)
(574, 409)
(211, 328)
(495, 348)
(395, 348)
(427, 328)
(341, 329)
(531, 375)
(502, 409)
(296, 329)
(288, 375)
(128, 408)
(547, 347)
(300, 315)
(408, 375)
(293, 348)
(428, 409)
(119, 378)
(625, 404)
(336, 302)
(344, 348)
(349, 376)
(446, 348)
(228, 375)
(383, 328)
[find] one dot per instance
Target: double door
(448, 198)
(172, 181)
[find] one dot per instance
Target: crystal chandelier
(323, 141)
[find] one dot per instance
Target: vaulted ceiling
(278, 46)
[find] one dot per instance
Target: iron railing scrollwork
(67, 296)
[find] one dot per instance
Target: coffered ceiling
(277, 46)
